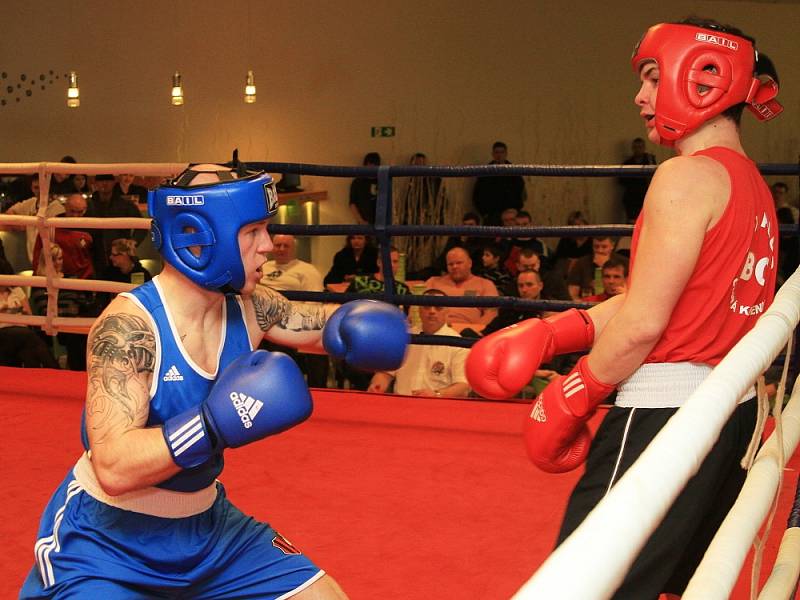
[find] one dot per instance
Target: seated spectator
(374, 283)
(570, 249)
(107, 202)
(61, 183)
(130, 191)
(20, 346)
(356, 258)
(30, 207)
(81, 184)
(585, 277)
(529, 286)
(460, 281)
(285, 272)
(473, 245)
(555, 287)
(71, 303)
(364, 192)
(436, 371)
(516, 244)
(615, 276)
(494, 271)
(124, 267)
(76, 244)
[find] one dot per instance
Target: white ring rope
(717, 573)
(783, 580)
(593, 561)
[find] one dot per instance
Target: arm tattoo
(122, 352)
(273, 309)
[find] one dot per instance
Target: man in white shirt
(286, 272)
(436, 371)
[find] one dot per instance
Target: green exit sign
(384, 131)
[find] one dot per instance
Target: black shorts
(671, 555)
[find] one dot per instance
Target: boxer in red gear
(703, 265)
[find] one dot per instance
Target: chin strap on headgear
(702, 73)
(208, 218)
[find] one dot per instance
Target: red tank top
(734, 279)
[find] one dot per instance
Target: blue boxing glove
(259, 394)
(368, 334)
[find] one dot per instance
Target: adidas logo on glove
(246, 407)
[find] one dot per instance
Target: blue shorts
(88, 549)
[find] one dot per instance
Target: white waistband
(664, 385)
(149, 501)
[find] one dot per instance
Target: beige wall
(549, 78)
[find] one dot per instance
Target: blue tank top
(178, 383)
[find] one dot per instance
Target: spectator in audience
(76, 244)
(529, 287)
(285, 272)
(570, 249)
(494, 270)
(508, 218)
(555, 287)
(20, 188)
(459, 281)
(374, 283)
(358, 257)
(473, 245)
(124, 267)
(780, 194)
(364, 192)
(635, 188)
(493, 194)
(81, 184)
(585, 277)
(107, 202)
(61, 183)
(130, 191)
(516, 244)
(615, 277)
(71, 303)
(20, 346)
(434, 371)
(30, 207)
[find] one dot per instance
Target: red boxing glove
(556, 435)
(504, 362)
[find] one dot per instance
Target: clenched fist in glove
(503, 363)
(368, 334)
(556, 435)
(259, 394)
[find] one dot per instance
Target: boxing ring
(401, 497)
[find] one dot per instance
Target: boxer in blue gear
(172, 382)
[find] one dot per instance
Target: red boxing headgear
(689, 57)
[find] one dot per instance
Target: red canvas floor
(395, 497)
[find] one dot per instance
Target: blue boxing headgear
(209, 217)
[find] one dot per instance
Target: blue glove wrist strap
(188, 438)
